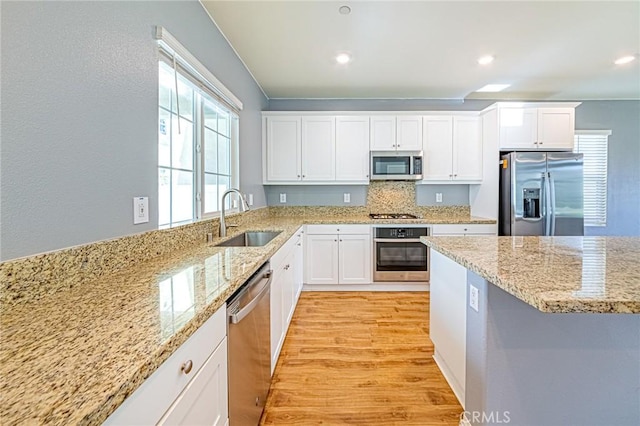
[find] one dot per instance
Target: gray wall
(79, 116)
(326, 195)
(623, 180)
(550, 369)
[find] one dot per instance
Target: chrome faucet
(243, 207)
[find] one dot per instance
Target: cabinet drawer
(465, 229)
(281, 254)
(338, 229)
(151, 400)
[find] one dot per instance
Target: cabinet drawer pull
(186, 367)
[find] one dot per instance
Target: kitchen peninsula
(84, 327)
(539, 330)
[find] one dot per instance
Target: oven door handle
(396, 240)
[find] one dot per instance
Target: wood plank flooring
(360, 358)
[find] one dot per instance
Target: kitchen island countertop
(554, 274)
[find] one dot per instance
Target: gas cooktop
(391, 216)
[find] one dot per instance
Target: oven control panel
(397, 233)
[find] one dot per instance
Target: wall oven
(398, 254)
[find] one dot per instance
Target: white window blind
(594, 144)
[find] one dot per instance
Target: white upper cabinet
(396, 133)
(452, 149)
(318, 148)
(283, 149)
(322, 149)
(352, 149)
(438, 148)
(467, 149)
(383, 133)
(532, 128)
(409, 133)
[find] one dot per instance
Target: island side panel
(552, 369)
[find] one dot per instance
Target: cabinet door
(556, 128)
(383, 133)
(204, 401)
(318, 148)
(467, 149)
(409, 133)
(352, 148)
(288, 293)
(298, 267)
(321, 259)
(283, 149)
(277, 324)
(438, 148)
(518, 128)
(355, 259)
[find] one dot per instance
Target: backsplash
(52, 271)
(333, 195)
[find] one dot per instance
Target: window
(593, 144)
(197, 137)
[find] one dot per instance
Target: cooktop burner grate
(391, 216)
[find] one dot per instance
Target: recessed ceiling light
(493, 88)
(624, 60)
(344, 10)
(343, 58)
(485, 60)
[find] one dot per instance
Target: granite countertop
(72, 356)
(554, 274)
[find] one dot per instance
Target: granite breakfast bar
(539, 330)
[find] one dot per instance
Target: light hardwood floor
(360, 358)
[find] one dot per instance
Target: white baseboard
(387, 286)
(455, 386)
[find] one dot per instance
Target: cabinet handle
(186, 367)
(540, 143)
(338, 229)
(450, 175)
(366, 175)
(340, 240)
(299, 244)
(304, 176)
(335, 241)
(298, 176)
(455, 175)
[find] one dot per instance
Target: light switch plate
(347, 197)
(283, 198)
(250, 199)
(438, 197)
(140, 210)
(473, 298)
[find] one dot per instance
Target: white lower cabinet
(337, 254)
(285, 291)
(464, 229)
(204, 401)
(448, 320)
(190, 387)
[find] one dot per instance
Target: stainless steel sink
(250, 239)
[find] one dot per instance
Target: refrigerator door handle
(546, 204)
(552, 205)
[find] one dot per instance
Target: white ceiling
(546, 50)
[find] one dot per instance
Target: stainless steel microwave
(396, 165)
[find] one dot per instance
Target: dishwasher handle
(239, 316)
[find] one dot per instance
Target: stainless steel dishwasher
(249, 349)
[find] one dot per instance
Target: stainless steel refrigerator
(541, 194)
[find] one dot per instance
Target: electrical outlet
(438, 197)
(473, 297)
(347, 197)
(250, 199)
(283, 198)
(140, 210)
